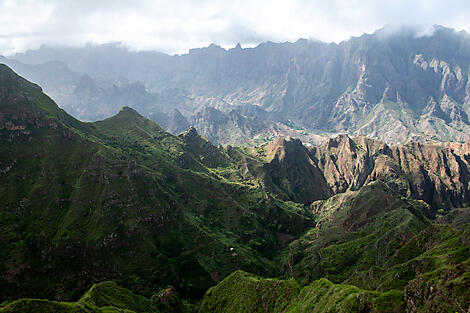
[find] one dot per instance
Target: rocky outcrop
(198, 149)
(234, 127)
(393, 85)
(290, 170)
(173, 122)
(437, 173)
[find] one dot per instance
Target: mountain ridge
(118, 185)
(123, 200)
(394, 85)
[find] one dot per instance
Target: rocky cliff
(394, 85)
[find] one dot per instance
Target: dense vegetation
(102, 298)
(108, 216)
(371, 251)
(122, 199)
(242, 292)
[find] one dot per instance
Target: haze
(176, 26)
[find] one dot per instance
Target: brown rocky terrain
(437, 173)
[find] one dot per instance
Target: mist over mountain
(201, 156)
(394, 84)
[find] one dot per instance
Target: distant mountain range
(394, 86)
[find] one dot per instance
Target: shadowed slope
(113, 199)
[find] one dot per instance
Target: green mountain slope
(104, 297)
(376, 240)
(243, 292)
(122, 199)
(355, 231)
(394, 260)
(356, 225)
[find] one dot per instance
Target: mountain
(173, 122)
(90, 100)
(394, 85)
(371, 251)
(93, 99)
(121, 208)
(233, 127)
(104, 297)
(414, 280)
(289, 169)
(243, 292)
(121, 199)
(437, 173)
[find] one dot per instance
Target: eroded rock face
(168, 300)
(291, 170)
(393, 87)
(437, 173)
(235, 127)
(199, 148)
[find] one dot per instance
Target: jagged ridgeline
(105, 297)
(393, 84)
(353, 225)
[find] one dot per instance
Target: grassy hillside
(104, 297)
(243, 292)
(121, 199)
(427, 272)
(355, 231)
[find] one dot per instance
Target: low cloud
(176, 26)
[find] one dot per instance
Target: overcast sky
(174, 26)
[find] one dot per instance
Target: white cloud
(175, 26)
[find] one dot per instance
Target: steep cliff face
(232, 128)
(437, 173)
(394, 85)
(290, 170)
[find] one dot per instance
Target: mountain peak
(23, 97)
(282, 146)
(128, 119)
(128, 110)
(128, 115)
(340, 141)
(190, 133)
